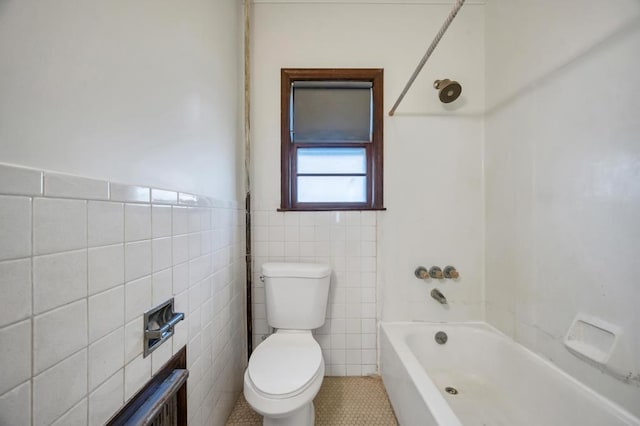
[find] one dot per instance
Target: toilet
(286, 370)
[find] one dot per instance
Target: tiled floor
(344, 401)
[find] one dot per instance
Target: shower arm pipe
(432, 47)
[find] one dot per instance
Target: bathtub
(498, 381)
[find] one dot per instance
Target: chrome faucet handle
(421, 273)
(436, 272)
(451, 272)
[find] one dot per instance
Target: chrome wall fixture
(448, 90)
(451, 272)
(159, 323)
(435, 272)
(421, 273)
(437, 294)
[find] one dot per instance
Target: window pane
(330, 114)
(332, 160)
(327, 189)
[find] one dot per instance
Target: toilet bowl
(284, 375)
(286, 370)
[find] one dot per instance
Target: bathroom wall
(135, 96)
(141, 92)
(346, 241)
(80, 263)
(563, 178)
(433, 168)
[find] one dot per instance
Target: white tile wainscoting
(80, 261)
(347, 242)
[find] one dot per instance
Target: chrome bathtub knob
(451, 272)
(436, 272)
(421, 272)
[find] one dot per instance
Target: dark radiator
(161, 406)
(163, 400)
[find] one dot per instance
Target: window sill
(331, 209)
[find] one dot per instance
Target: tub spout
(436, 294)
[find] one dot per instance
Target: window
(331, 139)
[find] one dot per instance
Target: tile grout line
(69, 410)
(124, 301)
(32, 316)
(86, 205)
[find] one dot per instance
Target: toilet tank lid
(296, 270)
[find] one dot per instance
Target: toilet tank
(296, 294)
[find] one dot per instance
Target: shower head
(448, 90)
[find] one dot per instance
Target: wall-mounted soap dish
(592, 338)
(605, 346)
(158, 325)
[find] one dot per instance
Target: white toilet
(286, 370)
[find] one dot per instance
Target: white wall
(134, 95)
(346, 241)
(562, 178)
(433, 167)
(144, 92)
(80, 262)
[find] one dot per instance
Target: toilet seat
(285, 364)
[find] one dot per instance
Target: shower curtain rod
(426, 56)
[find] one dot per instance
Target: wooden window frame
(374, 149)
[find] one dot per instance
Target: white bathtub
(499, 382)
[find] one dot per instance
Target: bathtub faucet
(436, 294)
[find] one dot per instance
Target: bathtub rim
(443, 413)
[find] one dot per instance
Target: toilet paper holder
(159, 323)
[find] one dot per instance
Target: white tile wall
(137, 260)
(15, 406)
(15, 230)
(346, 241)
(161, 221)
(58, 334)
(71, 306)
(66, 186)
(106, 223)
(59, 279)
(49, 402)
(129, 193)
(161, 254)
(161, 286)
(59, 225)
(133, 335)
(106, 356)
(106, 399)
(162, 196)
(160, 356)
(21, 181)
(76, 416)
(15, 351)
(136, 374)
(138, 297)
(105, 268)
(106, 312)
(137, 221)
(15, 286)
